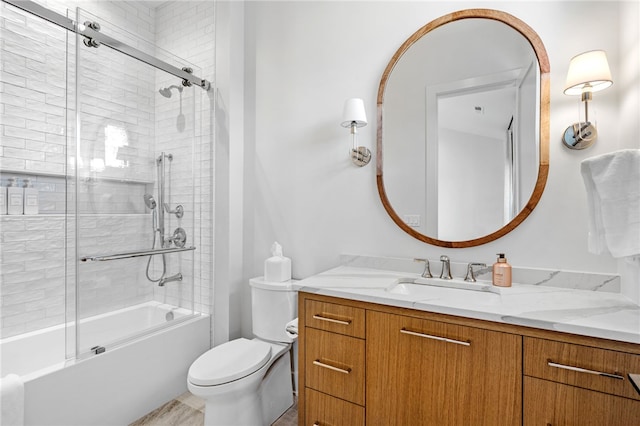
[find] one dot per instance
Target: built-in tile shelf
(72, 215)
(94, 194)
(31, 173)
(32, 216)
(85, 179)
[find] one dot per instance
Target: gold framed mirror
(463, 128)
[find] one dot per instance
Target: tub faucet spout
(176, 277)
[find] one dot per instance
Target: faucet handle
(426, 273)
(470, 277)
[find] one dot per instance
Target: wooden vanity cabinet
(568, 384)
(397, 366)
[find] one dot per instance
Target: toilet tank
(273, 305)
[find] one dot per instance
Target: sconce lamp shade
(588, 69)
(354, 112)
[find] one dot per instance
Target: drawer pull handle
(584, 370)
(429, 336)
(331, 367)
(321, 318)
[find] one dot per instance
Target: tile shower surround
(32, 98)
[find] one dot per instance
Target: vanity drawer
(555, 404)
(582, 366)
(325, 410)
(335, 318)
(334, 364)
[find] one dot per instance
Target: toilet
(249, 381)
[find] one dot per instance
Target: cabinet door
(554, 404)
(422, 372)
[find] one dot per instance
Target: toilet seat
(230, 361)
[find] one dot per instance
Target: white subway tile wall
(125, 124)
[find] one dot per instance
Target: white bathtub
(117, 386)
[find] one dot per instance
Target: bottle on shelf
(30, 198)
(15, 197)
(3, 200)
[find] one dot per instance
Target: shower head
(166, 91)
(150, 201)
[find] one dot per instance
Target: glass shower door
(133, 192)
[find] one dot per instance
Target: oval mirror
(463, 128)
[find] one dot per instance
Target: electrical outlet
(412, 220)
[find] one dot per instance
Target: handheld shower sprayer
(150, 201)
(158, 209)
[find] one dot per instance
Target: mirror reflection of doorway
(473, 124)
(472, 133)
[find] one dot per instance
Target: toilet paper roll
(292, 329)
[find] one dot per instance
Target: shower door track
(94, 35)
(131, 254)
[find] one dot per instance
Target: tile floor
(188, 410)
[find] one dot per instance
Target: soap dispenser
(30, 198)
(15, 197)
(501, 272)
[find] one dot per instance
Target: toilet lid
(229, 361)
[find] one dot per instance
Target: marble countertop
(589, 313)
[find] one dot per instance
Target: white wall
(303, 59)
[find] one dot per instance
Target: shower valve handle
(179, 211)
(179, 238)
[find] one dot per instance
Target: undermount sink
(424, 286)
(455, 283)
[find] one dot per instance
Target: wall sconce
(588, 73)
(353, 117)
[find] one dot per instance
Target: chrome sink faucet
(445, 274)
(470, 277)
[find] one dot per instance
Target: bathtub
(117, 386)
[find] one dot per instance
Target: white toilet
(249, 382)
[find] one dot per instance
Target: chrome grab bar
(331, 367)
(584, 370)
(131, 254)
(322, 318)
(429, 336)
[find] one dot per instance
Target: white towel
(613, 195)
(11, 401)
